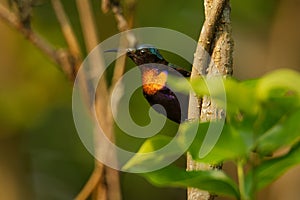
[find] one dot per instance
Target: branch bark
(62, 57)
(213, 57)
(104, 182)
(108, 186)
(13, 21)
(67, 30)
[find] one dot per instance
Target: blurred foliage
(59, 162)
(248, 13)
(29, 86)
(250, 129)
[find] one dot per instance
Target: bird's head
(144, 54)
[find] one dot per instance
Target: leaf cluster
(262, 119)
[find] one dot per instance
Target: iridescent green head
(145, 54)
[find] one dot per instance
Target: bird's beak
(128, 51)
(112, 50)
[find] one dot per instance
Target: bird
(155, 70)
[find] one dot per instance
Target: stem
(91, 184)
(69, 36)
(241, 178)
(12, 20)
(95, 185)
(66, 28)
(63, 58)
(110, 185)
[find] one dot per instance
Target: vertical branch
(104, 182)
(106, 187)
(127, 39)
(213, 57)
(91, 184)
(66, 27)
(87, 24)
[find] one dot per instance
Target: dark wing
(182, 71)
(170, 102)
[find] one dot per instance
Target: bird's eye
(143, 51)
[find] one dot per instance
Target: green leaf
(216, 182)
(268, 171)
(230, 144)
(148, 154)
(278, 81)
(240, 96)
(226, 143)
(279, 95)
(179, 84)
(160, 150)
(235, 95)
(285, 133)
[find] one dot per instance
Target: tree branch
(61, 57)
(128, 39)
(108, 186)
(66, 27)
(69, 36)
(213, 57)
(94, 184)
(213, 10)
(12, 20)
(91, 184)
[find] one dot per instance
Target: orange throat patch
(153, 81)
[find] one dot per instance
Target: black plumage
(155, 70)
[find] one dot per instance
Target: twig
(61, 57)
(118, 13)
(69, 36)
(88, 24)
(241, 178)
(122, 23)
(127, 40)
(67, 30)
(91, 183)
(12, 20)
(91, 40)
(105, 6)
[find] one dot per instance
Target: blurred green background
(41, 156)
